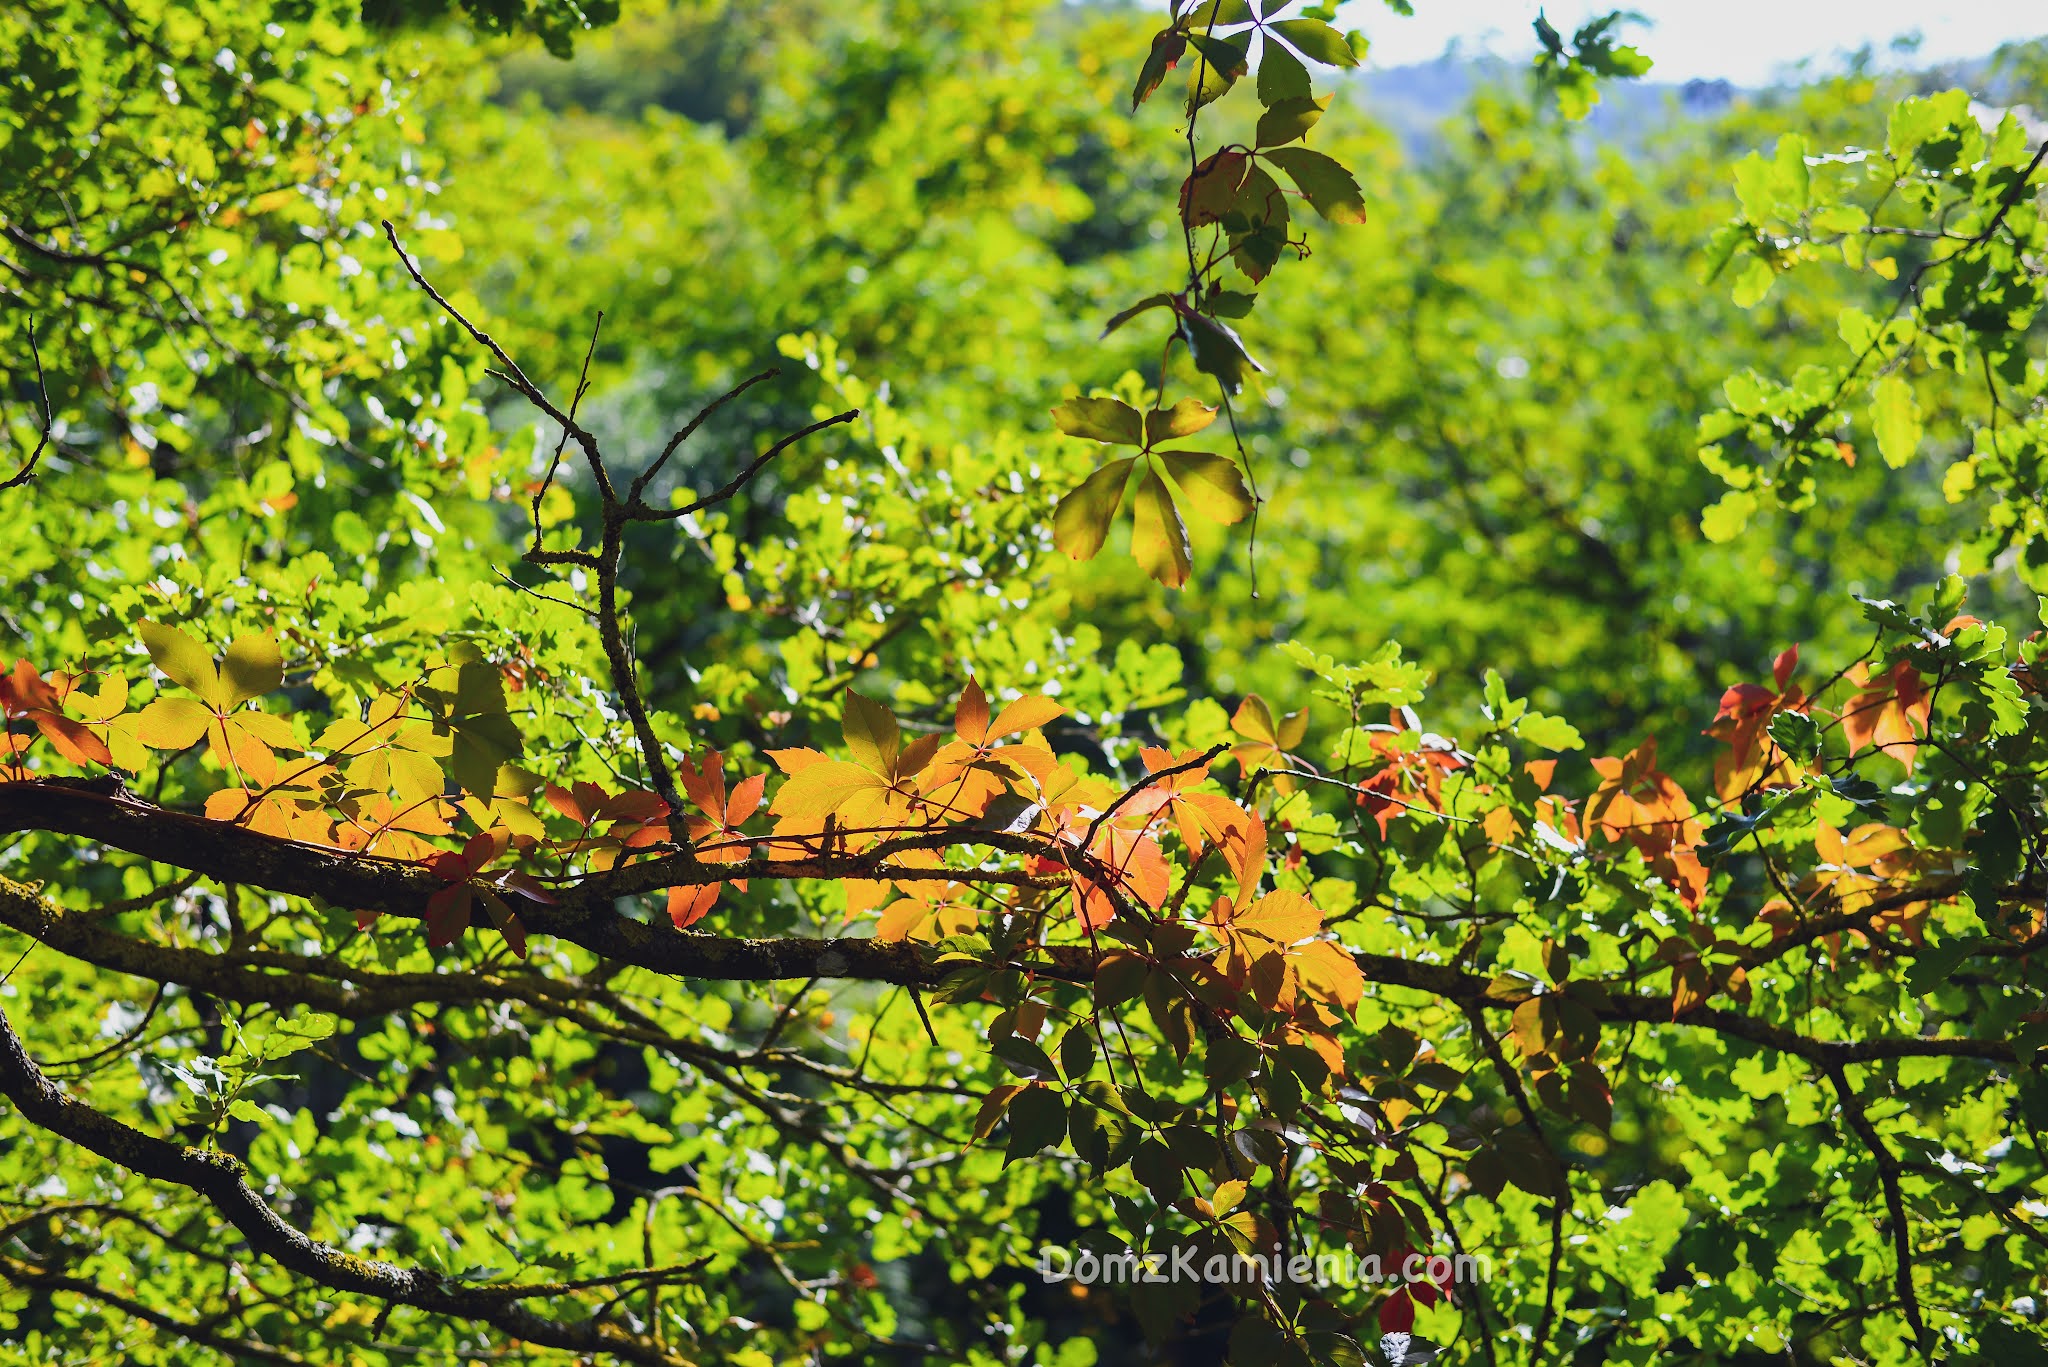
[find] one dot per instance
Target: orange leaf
(970, 714)
(687, 906)
(1025, 714)
(1890, 712)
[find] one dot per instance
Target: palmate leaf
(1205, 483)
(1322, 181)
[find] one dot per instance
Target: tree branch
(218, 1178)
(27, 471)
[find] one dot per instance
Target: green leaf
(1290, 119)
(1118, 978)
(1108, 420)
(1145, 305)
(1038, 1120)
(1997, 850)
(1210, 484)
(1325, 184)
(1921, 119)
(1215, 347)
(1077, 1051)
(173, 723)
(1159, 539)
(484, 736)
(1753, 282)
(1931, 968)
(188, 663)
(1281, 76)
(1797, 734)
(1217, 67)
(1724, 521)
(1316, 41)
(1257, 224)
(1895, 418)
(1217, 14)
(1228, 303)
(1231, 1060)
(1023, 1058)
(1549, 733)
(1080, 523)
(278, 1038)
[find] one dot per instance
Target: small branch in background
(1894, 1199)
(743, 478)
(616, 513)
(511, 373)
(688, 429)
(561, 443)
(27, 471)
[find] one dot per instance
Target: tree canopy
(688, 686)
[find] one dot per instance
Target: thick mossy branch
(586, 914)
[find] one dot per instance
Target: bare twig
(740, 481)
(561, 443)
(511, 373)
(688, 429)
(27, 471)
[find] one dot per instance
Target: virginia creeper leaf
(1316, 41)
(1289, 119)
(1325, 184)
(1159, 539)
(1185, 418)
(1110, 420)
(1210, 484)
(1081, 521)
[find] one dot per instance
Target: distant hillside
(1414, 100)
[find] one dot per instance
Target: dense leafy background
(1478, 435)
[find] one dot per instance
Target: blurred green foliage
(1478, 434)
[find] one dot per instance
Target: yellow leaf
(173, 723)
(184, 660)
(820, 789)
